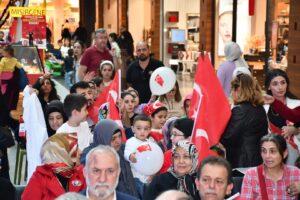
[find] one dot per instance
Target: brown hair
(177, 96)
(248, 90)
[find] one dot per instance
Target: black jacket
(167, 181)
(247, 125)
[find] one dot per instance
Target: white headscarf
(233, 53)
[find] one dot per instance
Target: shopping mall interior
(267, 31)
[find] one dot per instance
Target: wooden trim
(207, 26)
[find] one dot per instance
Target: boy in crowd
(158, 114)
(75, 108)
(69, 68)
(141, 129)
(85, 89)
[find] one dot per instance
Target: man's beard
(104, 191)
(143, 57)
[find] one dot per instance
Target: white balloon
(162, 80)
(149, 158)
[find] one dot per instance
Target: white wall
(259, 18)
(110, 16)
(183, 7)
(139, 18)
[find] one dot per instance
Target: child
(127, 109)
(69, 68)
(172, 100)
(186, 104)
(7, 79)
(75, 109)
(141, 128)
(65, 47)
(158, 113)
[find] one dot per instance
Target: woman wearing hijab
(233, 55)
(54, 116)
(58, 173)
(107, 132)
(180, 176)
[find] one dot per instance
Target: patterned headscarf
(59, 153)
(191, 149)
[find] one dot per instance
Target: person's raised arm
(82, 72)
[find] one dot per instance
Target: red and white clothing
(277, 121)
(44, 184)
(84, 134)
(157, 135)
(276, 190)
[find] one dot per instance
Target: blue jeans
(139, 187)
(68, 79)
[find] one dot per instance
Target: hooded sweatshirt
(103, 134)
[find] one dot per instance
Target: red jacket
(167, 161)
(292, 115)
(44, 185)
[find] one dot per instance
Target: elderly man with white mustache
(102, 172)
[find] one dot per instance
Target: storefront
(68, 16)
(262, 49)
(180, 27)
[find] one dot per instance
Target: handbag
(6, 138)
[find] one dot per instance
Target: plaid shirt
(276, 190)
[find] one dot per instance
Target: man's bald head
(173, 195)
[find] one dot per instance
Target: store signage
(34, 30)
(21, 11)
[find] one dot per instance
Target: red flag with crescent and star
(112, 97)
(209, 108)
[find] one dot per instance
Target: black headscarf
(54, 106)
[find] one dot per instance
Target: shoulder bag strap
(262, 183)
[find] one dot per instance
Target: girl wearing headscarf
(108, 132)
(234, 59)
(58, 173)
(54, 116)
(180, 176)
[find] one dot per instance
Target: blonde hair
(247, 89)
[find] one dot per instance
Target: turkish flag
(209, 108)
(114, 94)
(102, 98)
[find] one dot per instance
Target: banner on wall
(225, 24)
(21, 11)
(34, 28)
(33, 25)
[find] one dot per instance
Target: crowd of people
(86, 155)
